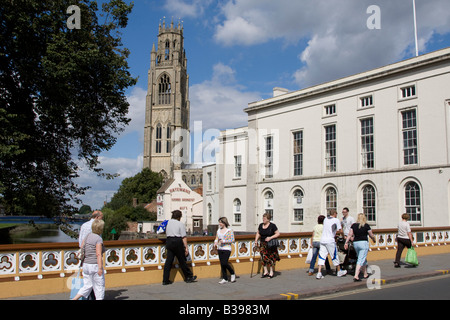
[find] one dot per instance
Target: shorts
(325, 249)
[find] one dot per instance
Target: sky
(239, 50)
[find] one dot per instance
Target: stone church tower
(167, 104)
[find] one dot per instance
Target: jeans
(224, 255)
(361, 248)
(316, 247)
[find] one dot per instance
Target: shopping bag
(411, 257)
(162, 227)
(76, 285)
(309, 256)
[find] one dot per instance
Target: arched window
(369, 202)
(297, 205)
(167, 50)
(412, 201)
(193, 180)
(330, 199)
(165, 90)
(158, 138)
(168, 139)
(237, 211)
(268, 203)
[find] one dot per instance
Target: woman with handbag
(93, 274)
(224, 239)
(268, 233)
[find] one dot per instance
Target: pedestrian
(269, 255)
(346, 222)
(404, 238)
(331, 225)
(176, 246)
(224, 239)
(316, 235)
(359, 233)
(93, 273)
(86, 228)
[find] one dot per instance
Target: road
(434, 288)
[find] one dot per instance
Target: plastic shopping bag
(411, 257)
(76, 285)
(162, 227)
(309, 256)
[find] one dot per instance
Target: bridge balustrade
(23, 263)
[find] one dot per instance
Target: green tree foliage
(143, 186)
(62, 98)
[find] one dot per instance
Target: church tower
(167, 104)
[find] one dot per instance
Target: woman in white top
(317, 234)
(404, 238)
(224, 239)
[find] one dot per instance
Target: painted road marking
(289, 295)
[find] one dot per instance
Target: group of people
(323, 244)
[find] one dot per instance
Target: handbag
(309, 256)
(76, 285)
(411, 257)
(273, 244)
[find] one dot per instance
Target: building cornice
(389, 70)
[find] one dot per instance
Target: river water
(45, 234)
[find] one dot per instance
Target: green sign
(113, 231)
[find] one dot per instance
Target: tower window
(158, 138)
(167, 51)
(165, 90)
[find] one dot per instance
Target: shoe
(223, 281)
(396, 265)
(265, 275)
(310, 273)
(356, 280)
(270, 276)
(319, 276)
(191, 279)
(233, 278)
(166, 283)
(341, 273)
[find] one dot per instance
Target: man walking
(176, 246)
(331, 225)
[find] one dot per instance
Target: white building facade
(376, 142)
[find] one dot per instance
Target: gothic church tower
(167, 104)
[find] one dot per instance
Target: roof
(402, 66)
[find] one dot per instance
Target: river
(44, 234)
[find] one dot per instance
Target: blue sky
(239, 50)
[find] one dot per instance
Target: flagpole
(415, 27)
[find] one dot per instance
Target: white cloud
(339, 42)
(186, 8)
(219, 103)
(101, 188)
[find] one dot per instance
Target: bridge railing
(22, 262)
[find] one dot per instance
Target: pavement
(286, 285)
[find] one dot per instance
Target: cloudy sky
(239, 50)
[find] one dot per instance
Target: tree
(85, 209)
(143, 186)
(62, 99)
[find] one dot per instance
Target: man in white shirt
(347, 222)
(331, 225)
(176, 246)
(86, 227)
